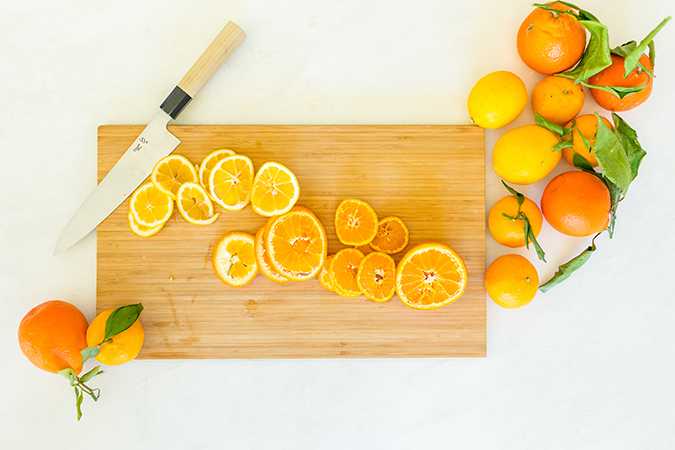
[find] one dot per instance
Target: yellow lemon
(497, 99)
(525, 154)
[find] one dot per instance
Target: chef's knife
(154, 143)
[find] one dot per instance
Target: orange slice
(150, 206)
(208, 163)
(324, 275)
(234, 259)
(355, 222)
(230, 182)
(429, 276)
(172, 171)
(343, 271)
(142, 230)
(263, 260)
(195, 205)
(392, 236)
(275, 190)
(376, 276)
(296, 244)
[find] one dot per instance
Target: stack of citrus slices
(224, 178)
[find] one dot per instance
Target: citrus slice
(355, 222)
(343, 270)
(376, 276)
(230, 182)
(195, 205)
(275, 190)
(324, 275)
(263, 260)
(296, 244)
(429, 276)
(208, 163)
(150, 206)
(234, 259)
(392, 236)
(142, 230)
(172, 171)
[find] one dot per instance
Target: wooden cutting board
(432, 177)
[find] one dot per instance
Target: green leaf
(566, 270)
(91, 374)
(630, 63)
(89, 352)
(520, 197)
(582, 15)
(652, 53)
(612, 157)
(596, 57)
(584, 140)
(550, 126)
(529, 236)
(619, 91)
(624, 49)
(582, 163)
(69, 374)
(78, 402)
(615, 198)
(629, 141)
(563, 144)
(121, 319)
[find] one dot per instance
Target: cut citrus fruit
(275, 190)
(324, 275)
(234, 259)
(343, 270)
(376, 276)
(150, 206)
(230, 182)
(263, 260)
(429, 276)
(355, 222)
(296, 244)
(142, 230)
(195, 205)
(208, 163)
(392, 236)
(172, 171)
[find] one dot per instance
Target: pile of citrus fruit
(604, 155)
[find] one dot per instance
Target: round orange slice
(263, 260)
(230, 182)
(208, 163)
(275, 190)
(429, 276)
(234, 259)
(142, 230)
(150, 206)
(355, 222)
(343, 271)
(324, 275)
(172, 171)
(392, 236)
(195, 205)
(376, 276)
(296, 244)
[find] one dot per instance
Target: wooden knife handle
(206, 66)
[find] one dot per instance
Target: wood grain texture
(430, 176)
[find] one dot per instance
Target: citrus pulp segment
(324, 275)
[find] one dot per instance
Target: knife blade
(154, 143)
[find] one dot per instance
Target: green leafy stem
(527, 227)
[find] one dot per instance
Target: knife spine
(174, 104)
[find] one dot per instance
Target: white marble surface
(588, 365)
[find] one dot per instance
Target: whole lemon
(497, 99)
(511, 281)
(525, 154)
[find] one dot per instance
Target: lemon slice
(172, 171)
(234, 259)
(142, 230)
(230, 182)
(195, 205)
(275, 190)
(150, 206)
(208, 163)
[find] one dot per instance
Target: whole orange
(124, 347)
(52, 335)
(551, 43)
(587, 125)
(510, 232)
(576, 203)
(511, 281)
(613, 76)
(558, 99)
